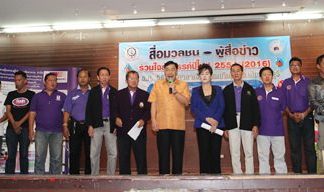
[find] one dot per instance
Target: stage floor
(45, 183)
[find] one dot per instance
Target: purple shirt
(75, 104)
(105, 103)
(296, 94)
(271, 108)
(238, 93)
(48, 108)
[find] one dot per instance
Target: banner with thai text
(66, 80)
(252, 53)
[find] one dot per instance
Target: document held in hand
(135, 131)
(218, 131)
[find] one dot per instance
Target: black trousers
(209, 145)
(12, 141)
(302, 136)
(78, 136)
(170, 140)
(125, 144)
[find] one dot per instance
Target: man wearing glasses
(300, 118)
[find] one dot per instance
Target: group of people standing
(238, 112)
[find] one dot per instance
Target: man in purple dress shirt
(272, 104)
(46, 109)
(300, 118)
(74, 127)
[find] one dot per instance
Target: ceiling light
(188, 21)
(130, 23)
(294, 16)
(26, 29)
(134, 10)
(283, 3)
(162, 7)
(222, 4)
(77, 26)
(193, 7)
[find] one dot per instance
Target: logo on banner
(62, 76)
(276, 47)
(20, 102)
(131, 53)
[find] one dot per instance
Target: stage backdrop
(252, 53)
(67, 80)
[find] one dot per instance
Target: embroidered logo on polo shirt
(141, 105)
(75, 97)
(288, 87)
(58, 98)
(20, 102)
(259, 97)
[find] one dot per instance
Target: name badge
(275, 98)
(75, 97)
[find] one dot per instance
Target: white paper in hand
(135, 131)
(207, 127)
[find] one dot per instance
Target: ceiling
(25, 12)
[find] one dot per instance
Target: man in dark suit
(132, 109)
(242, 118)
(100, 119)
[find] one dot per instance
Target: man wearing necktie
(132, 109)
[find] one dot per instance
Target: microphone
(170, 80)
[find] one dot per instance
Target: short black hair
(319, 59)
(84, 71)
(49, 74)
(236, 64)
(171, 63)
(22, 73)
(265, 69)
(295, 59)
(131, 72)
(203, 67)
(103, 68)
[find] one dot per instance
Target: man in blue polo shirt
(300, 118)
(46, 108)
(272, 104)
(76, 130)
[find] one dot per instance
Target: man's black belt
(78, 122)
